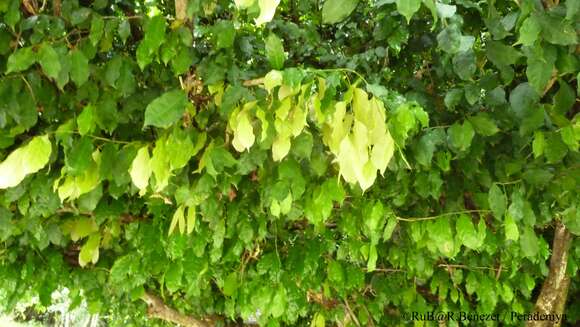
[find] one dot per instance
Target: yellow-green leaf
(272, 79)
(335, 11)
(141, 169)
(24, 161)
(280, 147)
(267, 11)
(90, 250)
(243, 4)
(190, 219)
(243, 133)
(178, 219)
(382, 152)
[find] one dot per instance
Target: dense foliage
(295, 163)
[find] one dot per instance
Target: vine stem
(91, 136)
(412, 219)
(348, 70)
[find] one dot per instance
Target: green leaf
(124, 30)
(523, 100)
(389, 228)
(141, 169)
(497, 201)
(466, 233)
(267, 11)
(572, 9)
(335, 11)
(460, 136)
(336, 273)
(408, 8)
(181, 147)
(529, 31)
(79, 67)
(173, 276)
(279, 303)
(224, 33)
(167, 109)
(24, 161)
(442, 236)
(79, 158)
(464, 64)
(231, 284)
(571, 219)
(90, 250)
(82, 227)
(511, 229)
(540, 67)
(20, 60)
(97, 29)
(539, 144)
(529, 243)
(557, 31)
(154, 38)
(564, 98)
(569, 137)
(49, 61)
(555, 149)
(483, 124)
(275, 51)
(502, 55)
(449, 39)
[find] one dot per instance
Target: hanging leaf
(497, 201)
(191, 218)
(408, 8)
(49, 61)
(267, 11)
(178, 220)
(20, 60)
(243, 132)
(280, 148)
(24, 161)
(166, 109)
(79, 67)
(335, 11)
(90, 250)
(141, 169)
(275, 51)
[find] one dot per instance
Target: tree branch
(158, 309)
(552, 298)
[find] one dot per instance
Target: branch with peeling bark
(158, 309)
(552, 298)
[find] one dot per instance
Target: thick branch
(552, 298)
(254, 82)
(158, 309)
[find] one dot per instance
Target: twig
(443, 265)
(351, 314)
(411, 219)
(29, 88)
(254, 82)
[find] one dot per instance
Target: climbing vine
(304, 163)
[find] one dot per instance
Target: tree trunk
(181, 9)
(552, 298)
